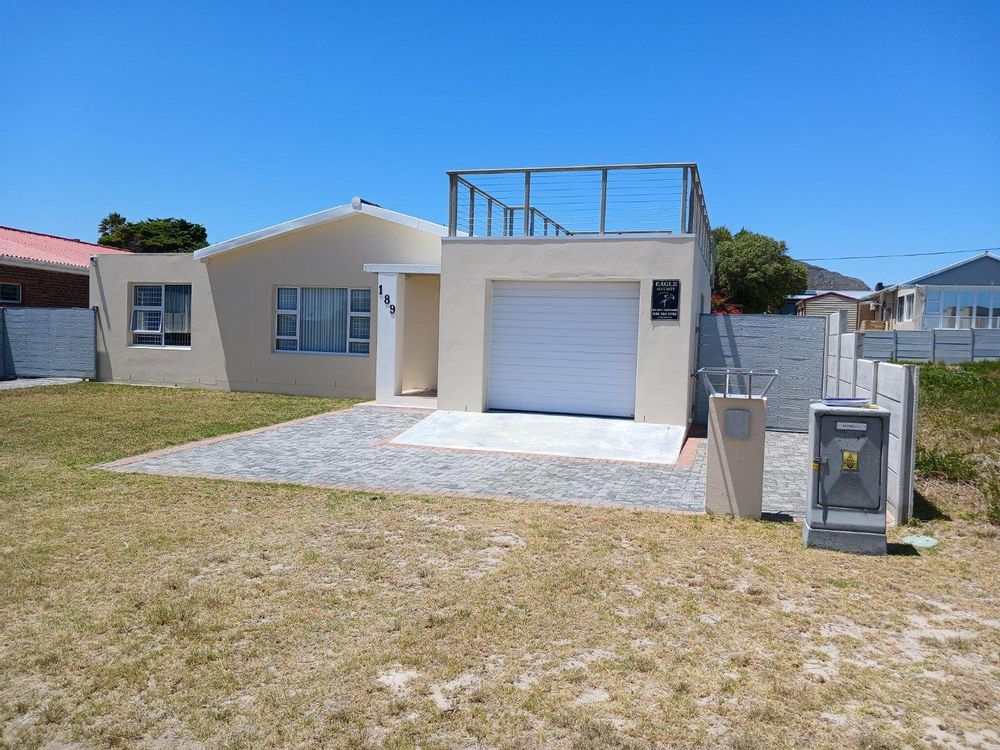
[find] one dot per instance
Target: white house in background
(566, 290)
(965, 294)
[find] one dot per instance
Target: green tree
(754, 270)
(151, 235)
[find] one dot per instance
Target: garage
(564, 347)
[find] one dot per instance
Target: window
(161, 315)
(327, 320)
(961, 308)
(904, 307)
(10, 294)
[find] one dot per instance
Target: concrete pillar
(389, 336)
(734, 480)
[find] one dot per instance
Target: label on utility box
(852, 426)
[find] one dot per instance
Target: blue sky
(843, 128)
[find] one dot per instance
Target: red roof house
(42, 270)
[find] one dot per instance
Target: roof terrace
(605, 200)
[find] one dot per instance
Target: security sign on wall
(666, 299)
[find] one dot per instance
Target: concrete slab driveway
(351, 449)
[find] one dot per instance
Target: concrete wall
(41, 288)
(420, 332)
(233, 298)
(42, 342)
(666, 349)
(791, 344)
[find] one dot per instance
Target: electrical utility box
(845, 500)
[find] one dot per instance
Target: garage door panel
(565, 347)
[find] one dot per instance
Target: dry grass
(164, 612)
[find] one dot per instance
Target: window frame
(161, 309)
(905, 304)
(20, 293)
(275, 337)
(935, 321)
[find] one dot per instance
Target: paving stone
(346, 449)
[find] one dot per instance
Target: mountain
(826, 280)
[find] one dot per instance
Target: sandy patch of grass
(170, 612)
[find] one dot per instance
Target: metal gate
(794, 345)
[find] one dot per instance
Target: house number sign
(666, 299)
(387, 301)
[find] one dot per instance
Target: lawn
(168, 612)
(958, 449)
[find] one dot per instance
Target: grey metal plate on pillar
(736, 424)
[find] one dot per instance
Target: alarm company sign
(666, 299)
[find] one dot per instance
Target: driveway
(16, 383)
(351, 450)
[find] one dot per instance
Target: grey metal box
(846, 496)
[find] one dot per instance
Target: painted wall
(200, 365)
(420, 332)
(667, 349)
(983, 271)
(233, 297)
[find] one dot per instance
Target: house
(43, 270)
(820, 302)
(567, 290)
(965, 294)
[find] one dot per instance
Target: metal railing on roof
(584, 201)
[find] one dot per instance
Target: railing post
(489, 217)
(472, 211)
(684, 198)
(691, 198)
(604, 198)
(452, 205)
(527, 203)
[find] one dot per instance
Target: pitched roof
(357, 206)
(958, 264)
(35, 247)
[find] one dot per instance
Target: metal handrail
(706, 373)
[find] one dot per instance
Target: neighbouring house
(42, 270)
(965, 294)
(820, 302)
(566, 290)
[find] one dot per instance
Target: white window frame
(937, 319)
(907, 301)
(152, 308)
(298, 301)
(19, 293)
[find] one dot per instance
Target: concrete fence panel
(39, 342)
(942, 345)
(791, 344)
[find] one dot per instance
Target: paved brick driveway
(348, 449)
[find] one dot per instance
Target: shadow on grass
(903, 550)
(925, 510)
(776, 517)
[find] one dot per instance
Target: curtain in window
(177, 308)
(323, 320)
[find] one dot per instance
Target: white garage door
(564, 347)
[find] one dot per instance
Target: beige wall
(232, 342)
(112, 275)
(667, 349)
(420, 332)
